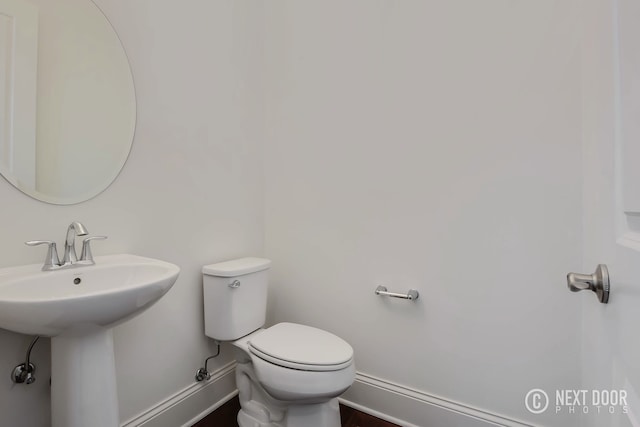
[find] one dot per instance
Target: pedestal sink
(77, 308)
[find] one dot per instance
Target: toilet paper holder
(411, 295)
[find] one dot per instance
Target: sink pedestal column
(83, 378)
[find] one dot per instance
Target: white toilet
(288, 375)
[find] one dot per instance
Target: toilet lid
(302, 347)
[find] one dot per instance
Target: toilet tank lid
(236, 267)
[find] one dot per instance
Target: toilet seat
(301, 347)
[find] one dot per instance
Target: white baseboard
(191, 404)
(412, 408)
(392, 402)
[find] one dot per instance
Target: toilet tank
(235, 297)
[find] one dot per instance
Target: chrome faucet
(75, 229)
(70, 258)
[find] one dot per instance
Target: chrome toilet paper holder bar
(411, 295)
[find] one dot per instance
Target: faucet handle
(52, 259)
(86, 254)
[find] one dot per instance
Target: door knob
(598, 282)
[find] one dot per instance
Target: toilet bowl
(311, 371)
(288, 375)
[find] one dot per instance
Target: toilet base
(258, 409)
(246, 420)
(319, 415)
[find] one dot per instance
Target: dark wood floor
(225, 416)
(353, 418)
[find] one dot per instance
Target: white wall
(436, 146)
(413, 144)
(190, 193)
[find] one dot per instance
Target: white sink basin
(113, 290)
(77, 308)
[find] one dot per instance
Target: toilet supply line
(202, 373)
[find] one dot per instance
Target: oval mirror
(67, 100)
